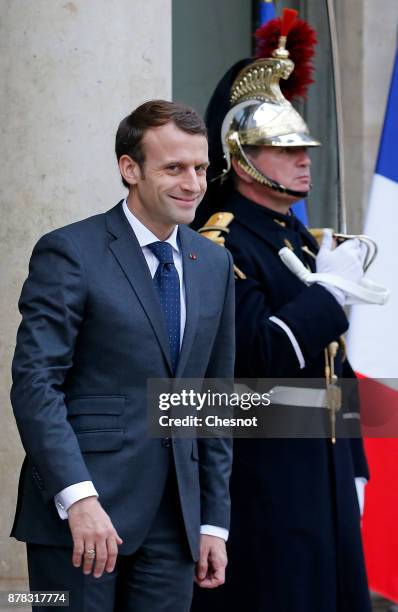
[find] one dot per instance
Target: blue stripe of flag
(267, 12)
(300, 210)
(387, 162)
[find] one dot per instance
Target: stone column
(69, 71)
(349, 17)
(367, 37)
(380, 36)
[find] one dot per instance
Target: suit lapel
(128, 253)
(191, 280)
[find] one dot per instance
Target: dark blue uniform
(295, 543)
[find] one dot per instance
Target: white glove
(344, 261)
(344, 290)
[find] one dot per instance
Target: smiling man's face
(172, 182)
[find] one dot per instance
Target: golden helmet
(260, 115)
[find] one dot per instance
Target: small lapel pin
(193, 256)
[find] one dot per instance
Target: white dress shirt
(68, 496)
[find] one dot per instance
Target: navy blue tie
(167, 283)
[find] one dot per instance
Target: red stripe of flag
(379, 411)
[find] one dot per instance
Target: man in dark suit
(110, 302)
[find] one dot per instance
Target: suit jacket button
(166, 442)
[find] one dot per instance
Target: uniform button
(166, 442)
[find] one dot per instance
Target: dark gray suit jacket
(92, 333)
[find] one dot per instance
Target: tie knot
(163, 251)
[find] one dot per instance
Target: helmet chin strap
(246, 164)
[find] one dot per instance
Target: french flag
(373, 352)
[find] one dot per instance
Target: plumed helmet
(260, 114)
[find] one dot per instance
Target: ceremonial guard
(295, 541)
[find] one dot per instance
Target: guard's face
(173, 181)
(289, 166)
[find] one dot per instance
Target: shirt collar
(143, 234)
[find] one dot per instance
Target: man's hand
(95, 540)
(345, 261)
(210, 569)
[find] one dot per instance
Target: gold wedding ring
(90, 553)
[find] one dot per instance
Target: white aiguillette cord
(365, 292)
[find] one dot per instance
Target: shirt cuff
(68, 496)
(360, 483)
(292, 338)
(211, 530)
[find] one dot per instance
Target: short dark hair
(152, 114)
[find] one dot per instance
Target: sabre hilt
(370, 246)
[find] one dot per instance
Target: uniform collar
(273, 227)
(248, 211)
